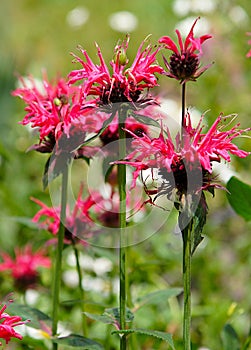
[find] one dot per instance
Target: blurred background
(37, 35)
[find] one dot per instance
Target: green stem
(81, 290)
(183, 107)
(122, 226)
(187, 257)
(132, 341)
(58, 263)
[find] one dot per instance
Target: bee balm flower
(177, 161)
(123, 84)
(57, 111)
(184, 63)
(24, 267)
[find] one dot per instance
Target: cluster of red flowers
(61, 108)
(88, 217)
(67, 115)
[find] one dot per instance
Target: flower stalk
(187, 244)
(187, 257)
(122, 226)
(183, 107)
(58, 263)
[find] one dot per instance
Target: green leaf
(32, 343)
(193, 217)
(146, 120)
(230, 338)
(157, 297)
(167, 337)
(75, 340)
(198, 221)
(45, 174)
(107, 167)
(55, 165)
(239, 197)
(111, 316)
(246, 346)
(38, 319)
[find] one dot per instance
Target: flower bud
(57, 101)
(120, 56)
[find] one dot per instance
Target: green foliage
(146, 120)
(77, 341)
(37, 319)
(230, 338)
(193, 217)
(198, 222)
(157, 297)
(111, 316)
(55, 166)
(239, 196)
(156, 334)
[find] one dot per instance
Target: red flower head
(78, 221)
(24, 267)
(185, 60)
(87, 218)
(7, 324)
(178, 162)
(55, 110)
(124, 84)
